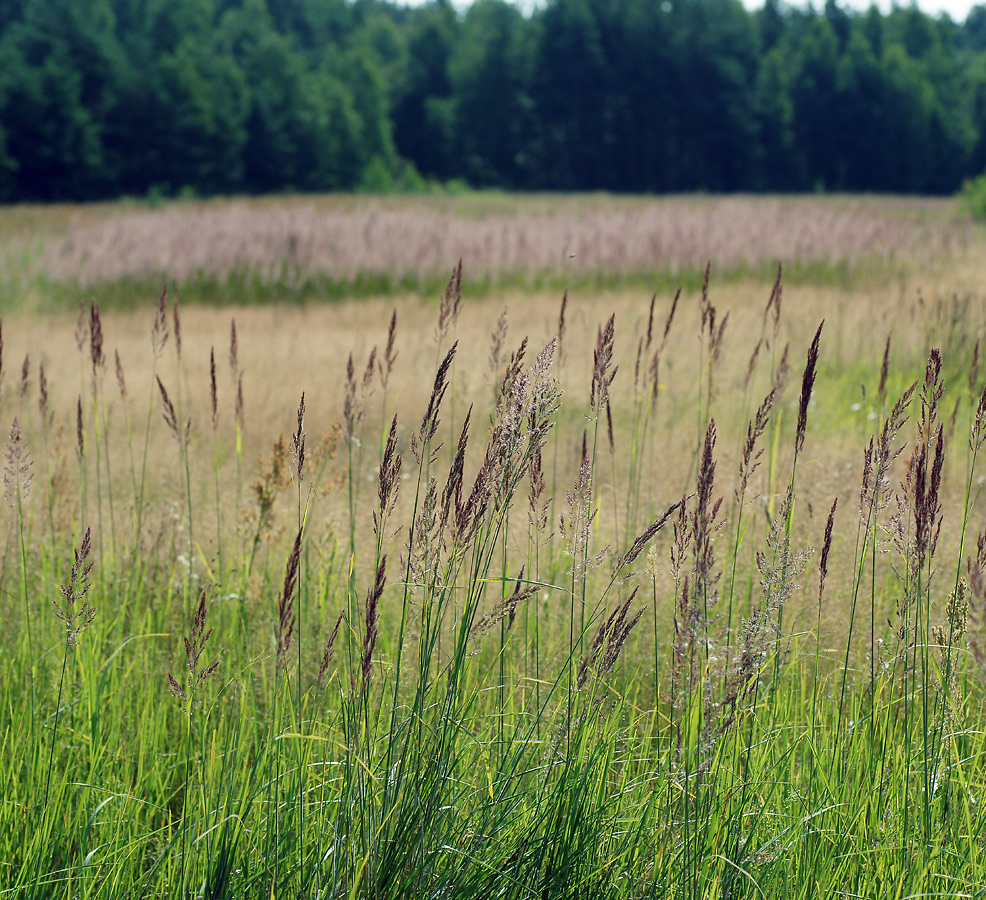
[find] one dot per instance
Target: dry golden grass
(286, 350)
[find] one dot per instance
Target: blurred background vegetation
(163, 98)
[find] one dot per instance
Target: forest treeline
(102, 98)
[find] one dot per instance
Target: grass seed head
(807, 385)
(17, 473)
(77, 618)
(159, 330)
(286, 617)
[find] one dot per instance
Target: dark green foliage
(100, 98)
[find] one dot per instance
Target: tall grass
(264, 249)
(324, 691)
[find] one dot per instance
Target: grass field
(473, 590)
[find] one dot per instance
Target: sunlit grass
(448, 692)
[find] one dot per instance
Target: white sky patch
(957, 9)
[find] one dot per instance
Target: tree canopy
(101, 98)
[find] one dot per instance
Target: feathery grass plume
(390, 478)
(179, 433)
(926, 499)
(285, 606)
(349, 401)
(880, 455)
(80, 439)
(612, 635)
(977, 434)
(576, 529)
(96, 338)
(754, 430)
(782, 372)
(921, 486)
(298, 442)
(807, 385)
(884, 372)
(679, 544)
(354, 400)
(448, 312)
(424, 551)
(371, 622)
(643, 345)
(931, 394)
(430, 421)
(525, 407)
(43, 407)
(705, 307)
(752, 364)
(82, 327)
(603, 371)
(453, 485)
(121, 381)
(560, 334)
(176, 327)
(650, 321)
(238, 411)
(823, 566)
(197, 671)
(538, 511)
(273, 477)
(972, 381)
(505, 609)
(77, 618)
(213, 393)
(705, 516)
(496, 345)
(159, 330)
(655, 362)
(234, 349)
(389, 354)
(976, 570)
(780, 569)
(25, 382)
(328, 652)
(646, 536)
(509, 382)
(17, 474)
(774, 302)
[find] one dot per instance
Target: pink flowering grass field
(500, 589)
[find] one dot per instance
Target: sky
(957, 9)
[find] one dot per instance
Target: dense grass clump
(640, 607)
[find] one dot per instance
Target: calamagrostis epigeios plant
(328, 652)
(609, 641)
(17, 477)
(185, 692)
(386, 364)
(371, 624)
(286, 616)
(807, 386)
(430, 421)
(506, 609)
(389, 481)
(448, 311)
(976, 571)
(694, 612)
(76, 618)
(197, 672)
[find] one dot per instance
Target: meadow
(543, 578)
